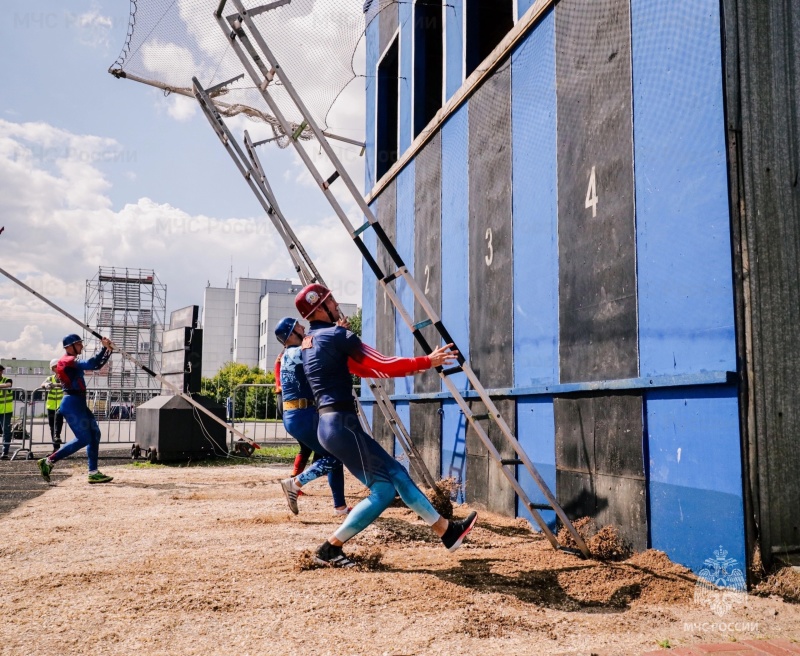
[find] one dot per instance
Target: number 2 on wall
(427, 279)
(488, 258)
(591, 194)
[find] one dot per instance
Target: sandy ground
(208, 560)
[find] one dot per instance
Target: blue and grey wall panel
(426, 431)
(388, 21)
(455, 232)
(369, 292)
(536, 432)
(535, 207)
(596, 235)
(453, 46)
(405, 242)
(686, 321)
(491, 294)
(486, 485)
(454, 446)
(372, 55)
(405, 18)
(695, 473)
(428, 248)
(404, 413)
(600, 470)
(384, 310)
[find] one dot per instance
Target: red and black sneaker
(457, 530)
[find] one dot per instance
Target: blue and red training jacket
(331, 353)
(70, 370)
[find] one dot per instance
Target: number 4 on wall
(591, 194)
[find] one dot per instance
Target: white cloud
(181, 108)
(60, 226)
(30, 345)
(93, 28)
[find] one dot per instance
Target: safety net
(315, 42)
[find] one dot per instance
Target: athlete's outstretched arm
(368, 362)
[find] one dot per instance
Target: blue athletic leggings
(302, 426)
(84, 426)
(341, 435)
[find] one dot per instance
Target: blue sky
(99, 171)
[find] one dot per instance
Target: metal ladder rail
(261, 189)
(256, 178)
(381, 396)
(304, 270)
(237, 23)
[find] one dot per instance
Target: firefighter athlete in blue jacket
(73, 406)
(330, 354)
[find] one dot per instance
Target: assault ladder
(263, 69)
(249, 165)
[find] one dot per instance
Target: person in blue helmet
(79, 418)
(330, 354)
(300, 420)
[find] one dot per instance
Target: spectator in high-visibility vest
(6, 410)
(54, 395)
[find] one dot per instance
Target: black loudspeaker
(185, 317)
(169, 429)
(181, 359)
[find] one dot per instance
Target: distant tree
(355, 326)
(251, 402)
(355, 322)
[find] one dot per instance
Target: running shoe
(342, 511)
(99, 477)
(44, 468)
(457, 530)
(287, 485)
(332, 556)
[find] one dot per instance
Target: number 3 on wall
(591, 194)
(488, 258)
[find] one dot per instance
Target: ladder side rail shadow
(237, 23)
(254, 174)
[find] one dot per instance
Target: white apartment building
(217, 324)
(238, 322)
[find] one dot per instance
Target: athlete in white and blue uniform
(330, 354)
(300, 420)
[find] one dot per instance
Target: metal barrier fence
(115, 410)
(16, 423)
(252, 409)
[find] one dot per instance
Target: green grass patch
(269, 455)
(145, 464)
(277, 454)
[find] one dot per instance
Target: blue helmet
(284, 329)
(69, 340)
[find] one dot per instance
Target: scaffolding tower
(129, 307)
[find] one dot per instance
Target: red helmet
(310, 298)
